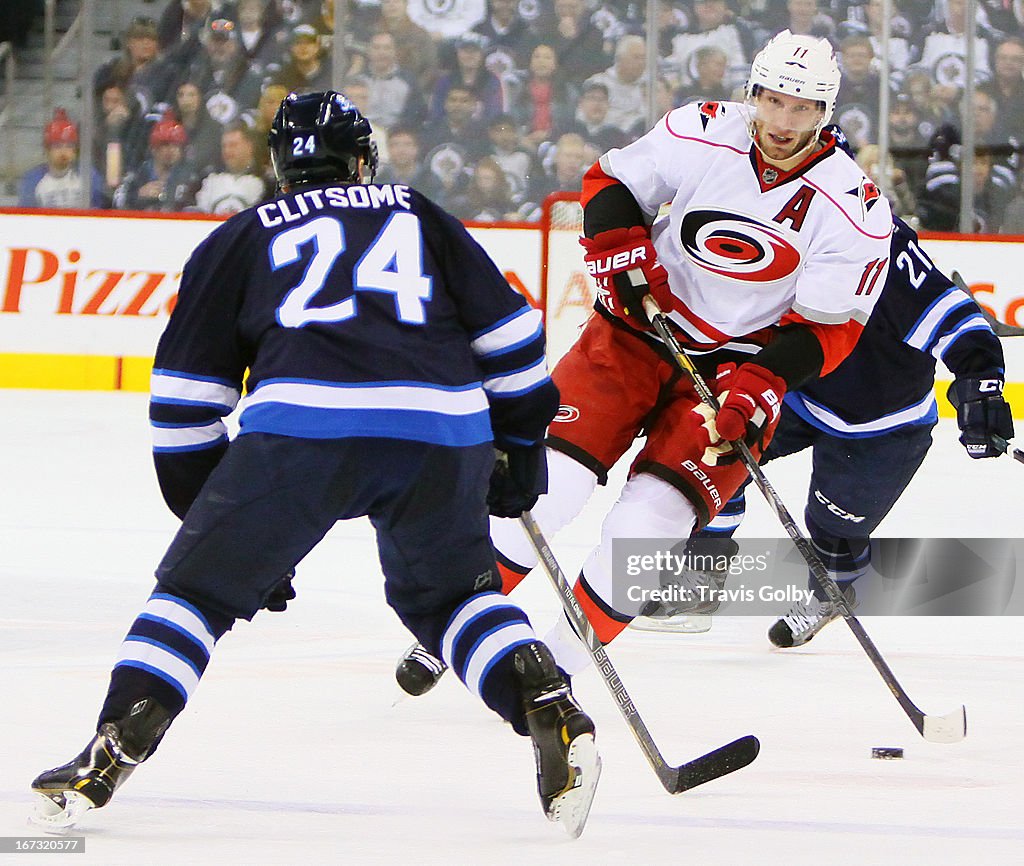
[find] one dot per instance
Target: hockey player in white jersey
(765, 245)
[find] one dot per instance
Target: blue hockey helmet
(319, 137)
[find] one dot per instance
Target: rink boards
(84, 296)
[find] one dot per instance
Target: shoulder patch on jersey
(709, 111)
(867, 193)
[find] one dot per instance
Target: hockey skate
(697, 590)
(67, 792)
(806, 619)
(568, 765)
(418, 671)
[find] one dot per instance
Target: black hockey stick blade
(1000, 329)
(722, 761)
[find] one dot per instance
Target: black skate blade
(722, 761)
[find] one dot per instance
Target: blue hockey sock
(163, 655)
(728, 520)
(846, 558)
(478, 643)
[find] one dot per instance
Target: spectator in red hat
(56, 183)
(165, 181)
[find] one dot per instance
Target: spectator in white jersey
(240, 183)
(626, 80)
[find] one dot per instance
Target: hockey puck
(887, 753)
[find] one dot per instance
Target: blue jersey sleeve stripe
(925, 328)
(823, 418)
(511, 335)
(193, 377)
(975, 322)
(515, 314)
(306, 422)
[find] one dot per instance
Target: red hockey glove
(611, 255)
(750, 405)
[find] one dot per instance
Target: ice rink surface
(297, 748)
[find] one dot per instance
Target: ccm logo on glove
(990, 386)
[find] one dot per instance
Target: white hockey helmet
(800, 66)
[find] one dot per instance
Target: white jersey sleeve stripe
(925, 328)
(916, 412)
(975, 322)
(524, 327)
(175, 438)
(169, 387)
(518, 381)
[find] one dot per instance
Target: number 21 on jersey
(392, 263)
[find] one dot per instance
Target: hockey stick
(730, 757)
(1000, 329)
(1008, 448)
(936, 729)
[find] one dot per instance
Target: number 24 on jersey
(393, 263)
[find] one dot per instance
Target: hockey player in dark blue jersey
(384, 359)
(869, 426)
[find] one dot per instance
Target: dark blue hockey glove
(520, 476)
(981, 414)
(282, 593)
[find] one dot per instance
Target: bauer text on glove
(750, 406)
(611, 256)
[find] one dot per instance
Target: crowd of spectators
(489, 105)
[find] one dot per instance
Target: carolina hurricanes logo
(867, 193)
(708, 112)
(738, 247)
(567, 414)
